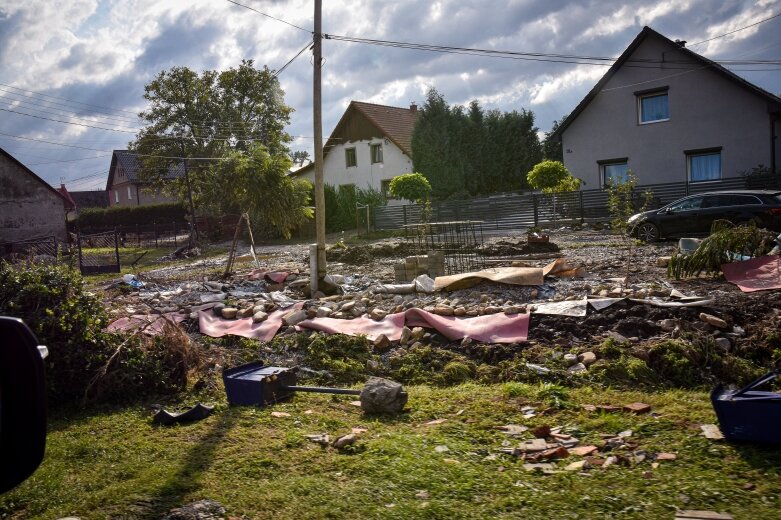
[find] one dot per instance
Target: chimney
(680, 43)
(413, 107)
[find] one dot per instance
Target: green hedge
(340, 205)
(130, 215)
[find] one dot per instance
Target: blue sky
(86, 62)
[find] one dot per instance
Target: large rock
(201, 510)
(383, 396)
(229, 313)
(294, 317)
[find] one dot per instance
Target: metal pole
(318, 131)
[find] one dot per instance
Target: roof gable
(33, 175)
(362, 120)
(131, 166)
(687, 54)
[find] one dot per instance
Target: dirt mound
(506, 248)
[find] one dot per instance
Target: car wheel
(647, 232)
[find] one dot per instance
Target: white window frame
(129, 193)
(116, 196)
(641, 97)
(347, 153)
(373, 155)
(702, 153)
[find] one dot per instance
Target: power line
(269, 16)
(736, 30)
(68, 122)
(71, 100)
(70, 160)
(307, 46)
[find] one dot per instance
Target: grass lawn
(114, 463)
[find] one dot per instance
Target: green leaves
(552, 177)
(410, 186)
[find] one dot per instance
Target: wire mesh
(49, 249)
(459, 241)
(99, 253)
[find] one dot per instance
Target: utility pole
(318, 130)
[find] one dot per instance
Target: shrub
(130, 215)
(552, 177)
(410, 186)
(70, 322)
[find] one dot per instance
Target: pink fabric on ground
(390, 325)
(491, 328)
(271, 276)
(155, 322)
(217, 327)
(757, 274)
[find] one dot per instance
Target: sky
(84, 63)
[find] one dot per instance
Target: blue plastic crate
(748, 414)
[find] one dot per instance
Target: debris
(382, 343)
(541, 432)
(422, 494)
(532, 445)
(441, 449)
(758, 274)
(151, 324)
(559, 452)
(507, 275)
(587, 358)
(196, 413)
(663, 261)
(563, 308)
(259, 317)
(201, 510)
(577, 465)
(132, 281)
(666, 456)
(215, 327)
(712, 432)
(435, 422)
(577, 368)
(383, 396)
(637, 408)
(701, 515)
(538, 368)
(513, 430)
(294, 317)
(713, 320)
(344, 441)
(280, 414)
(322, 438)
(583, 451)
(542, 467)
(229, 313)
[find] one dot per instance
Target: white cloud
(554, 86)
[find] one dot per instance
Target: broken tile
(559, 452)
(637, 408)
(582, 451)
(691, 514)
(533, 445)
(666, 456)
(513, 429)
(577, 466)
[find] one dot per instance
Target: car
(694, 215)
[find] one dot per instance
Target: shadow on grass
(186, 479)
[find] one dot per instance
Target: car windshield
(685, 204)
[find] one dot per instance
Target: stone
(541, 432)
(577, 466)
(668, 325)
(543, 467)
(459, 311)
(245, 313)
(570, 359)
(637, 408)
(559, 452)
(380, 396)
(533, 445)
(610, 461)
(406, 334)
(443, 310)
(724, 343)
(713, 321)
(663, 261)
(294, 317)
(587, 358)
(217, 309)
(378, 314)
(417, 333)
(577, 368)
(259, 317)
(422, 495)
(347, 306)
(201, 510)
(491, 309)
(229, 313)
(466, 341)
(712, 432)
(323, 312)
(344, 441)
(441, 448)
(666, 456)
(618, 338)
(382, 344)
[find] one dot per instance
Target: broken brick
(541, 432)
(554, 453)
(582, 451)
(666, 456)
(607, 408)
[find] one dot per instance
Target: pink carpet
(491, 328)
(217, 327)
(757, 274)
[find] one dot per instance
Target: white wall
(365, 174)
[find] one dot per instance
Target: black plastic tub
(748, 414)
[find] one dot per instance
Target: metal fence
(48, 248)
(155, 234)
(98, 253)
(520, 211)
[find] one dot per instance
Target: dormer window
(652, 106)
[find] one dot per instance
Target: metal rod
(322, 390)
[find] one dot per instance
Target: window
(129, 193)
(687, 204)
(704, 166)
(376, 153)
(116, 196)
(349, 157)
(385, 188)
(614, 171)
(652, 106)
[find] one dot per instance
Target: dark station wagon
(695, 214)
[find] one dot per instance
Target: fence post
(582, 211)
(154, 229)
(535, 206)
(404, 210)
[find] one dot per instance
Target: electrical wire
(269, 16)
(307, 46)
(736, 30)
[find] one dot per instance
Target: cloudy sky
(85, 62)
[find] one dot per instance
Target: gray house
(670, 115)
(29, 208)
(124, 186)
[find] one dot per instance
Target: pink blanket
(757, 274)
(217, 327)
(491, 328)
(153, 323)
